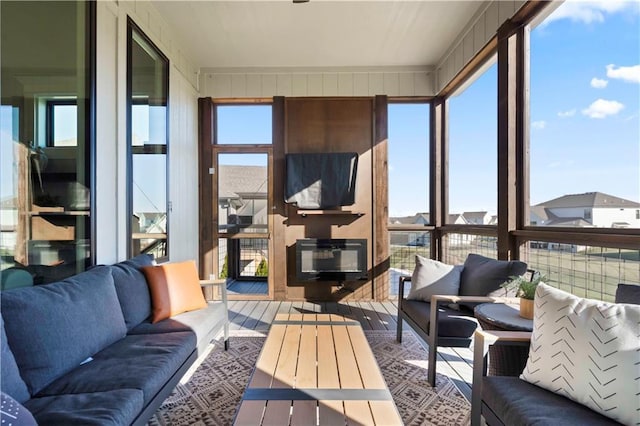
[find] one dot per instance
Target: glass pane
(408, 163)
(473, 141)
(585, 126)
(45, 223)
(65, 125)
(244, 263)
(242, 193)
(148, 146)
(244, 124)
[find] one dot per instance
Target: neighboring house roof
(588, 200)
(540, 212)
(475, 217)
(418, 218)
(457, 219)
(245, 180)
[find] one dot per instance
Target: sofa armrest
(482, 339)
(222, 286)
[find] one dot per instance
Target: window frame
(50, 105)
(146, 149)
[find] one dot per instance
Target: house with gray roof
(590, 209)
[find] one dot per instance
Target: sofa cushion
(116, 407)
(12, 413)
(432, 277)
(517, 402)
(202, 322)
(585, 349)
(144, 362)
(132, 289)
(482, 276)
(52, 328)
(628, 293)
(451, 323)
(10, 379)
(175, 288)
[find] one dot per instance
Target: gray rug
(212, 393)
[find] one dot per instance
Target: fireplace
(331, 259)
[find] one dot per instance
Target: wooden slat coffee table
(316, 369)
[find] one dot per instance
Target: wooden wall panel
(321, 125)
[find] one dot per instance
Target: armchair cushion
(432, 277)
(451, 323)
(516, 402)
(584, 349)
(482, 276)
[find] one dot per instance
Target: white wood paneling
(283, 85)
(314, 85)
(297, 83)
(390, 83)
(376, 84)
(254, 85)
(480, 30)
(345, 84)
(239, 84)
(111, 130)
(330, 84)
(106, 238)
(361, 84)
(183, 170)
(406, 85)
(269, 85)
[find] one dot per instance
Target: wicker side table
(504, 360)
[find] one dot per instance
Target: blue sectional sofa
(83, 350)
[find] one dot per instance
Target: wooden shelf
(305, 213)
(60, 213)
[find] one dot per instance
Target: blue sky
(585, 104)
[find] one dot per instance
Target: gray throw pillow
(432, 277)
(628, 293)
(10, 380)
(482, 276)
(53, 328)
(132, 289)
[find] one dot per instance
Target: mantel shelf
(305, 213)
(59, 213)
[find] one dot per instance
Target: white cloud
(541, 124)
(565, 114)
(589, 12)
(602, 108)
(628, 74)
(597, 83)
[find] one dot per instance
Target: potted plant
(525, 290)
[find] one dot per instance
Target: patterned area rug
(212, 391)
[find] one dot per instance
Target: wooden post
(206, 246)
(507, 138)
(437, 178)
(380, 200)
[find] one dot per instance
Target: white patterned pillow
(588, 351)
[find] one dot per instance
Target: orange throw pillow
(174, 288)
